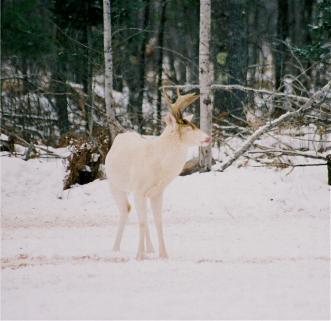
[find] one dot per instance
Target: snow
(3, 137)
(121, 98)
(249, 243)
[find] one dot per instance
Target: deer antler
(181, 102)
(184, 101)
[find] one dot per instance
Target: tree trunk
(160, 66)
(237, 57)
(136, 69)
(142, 63)
(282, 35)
(59, 88)
(328, 158)
(108, 69)
(90, 82)
(25, 72)
(88, 73)
(191, 47)
(252, 32)
(205, 79)
(299, 19)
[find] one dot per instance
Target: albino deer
(145, 167)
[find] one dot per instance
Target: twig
(30, 146)
(289, 165)
(309, 140)
(239, 87)
(280, 141)
(287, 152)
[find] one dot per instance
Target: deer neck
(172, 148)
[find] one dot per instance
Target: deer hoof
(140, 257)
(164, 256)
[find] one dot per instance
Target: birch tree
(114, 126)
(205, 80)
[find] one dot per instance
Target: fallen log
(192, 166)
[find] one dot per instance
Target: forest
(273, 54)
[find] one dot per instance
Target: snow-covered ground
(249, 243)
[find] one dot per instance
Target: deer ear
(170, 120)
(189, 117)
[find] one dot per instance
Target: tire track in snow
(265, 260)
(24, 260)
(66, 223)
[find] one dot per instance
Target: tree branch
(239, 87)
(288, 152)
(318, 97)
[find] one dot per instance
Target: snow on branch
(317, 98)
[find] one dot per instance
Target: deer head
(188, 132)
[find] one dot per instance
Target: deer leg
(124, 208)
(149, 245)
(140, 201)
(156, 204)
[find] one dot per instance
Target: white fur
(145, 167)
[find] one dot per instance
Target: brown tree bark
(282, 35)
(237, 57)
(160, 65)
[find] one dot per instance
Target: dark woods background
(52, 59)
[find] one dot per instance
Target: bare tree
(114, 126)
(205, 79)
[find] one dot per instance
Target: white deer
(145, 167)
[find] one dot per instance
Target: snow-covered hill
(249, 243)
